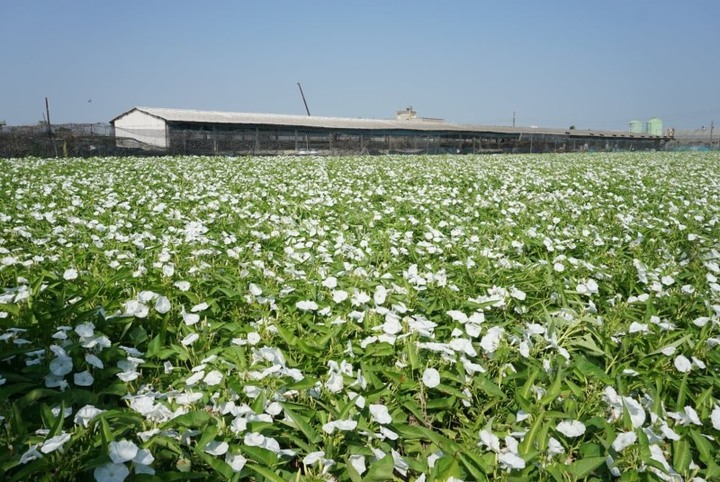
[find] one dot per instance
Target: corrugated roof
(247, 118)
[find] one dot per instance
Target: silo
(637, 126)
(655, 127)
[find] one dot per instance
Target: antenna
(303, 98)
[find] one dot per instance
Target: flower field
(547, 317)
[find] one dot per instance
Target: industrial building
(179, 131)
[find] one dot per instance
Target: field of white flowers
(548, 317)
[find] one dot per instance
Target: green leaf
(266, 457)
(527, 444)
(194, 419)
(704, 446)
(302, 424)
(584, 467)
(490, 387)
(268, 474)
(208, 435)
(682, 456)
(380, 470)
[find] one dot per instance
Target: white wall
(142, 127)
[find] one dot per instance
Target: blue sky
(555, 63)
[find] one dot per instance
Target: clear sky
(556, 63)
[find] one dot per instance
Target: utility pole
(712, 128)
(50, 136)
(513, 118)
(303, 98)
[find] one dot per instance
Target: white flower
(54, 443)
(335, 382)
(359, 298)
(31, 454)
(358, 463)
(380, 413)
(520, 296)
(162, 305)
(330, 282)
(254, 289)
(339, 296)
(111, 473)
(144, 457)
(199, 307)
(431, 378)
(306, 305)
(216, 448)
(253, 338)
(636, 411)
(190, 339)
(83, 379)
(380, 295)
(182, 285)
(489, 440)
(554, 447)
(343, 425)
(85, 330)
(682, 364)
(668, 350)
(93, 360)
(190, 318)
(213, 378)
(70, 274)
(491, 341)
(122, 451)
(571, 428)
(510, 461)
(715, 417)
(194, 378)
(313, 457)
(236, 462)
(624, 440)
(86, 414)
(137, 309)
(636, 327)
(61, 366)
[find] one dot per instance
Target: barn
(181, 131)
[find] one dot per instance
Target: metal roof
(423, 125)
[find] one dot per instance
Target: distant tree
(572, 127)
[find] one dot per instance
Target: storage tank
(655, 127)
(637, 126)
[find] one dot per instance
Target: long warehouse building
(180, 131)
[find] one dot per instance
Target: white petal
(313, 457)
(358, 463)
(682, 364)
(624, 440)
(162, 305)
(511, 461)
(571, 428)
(431, 378)
(122, 451)
(216, 448)
(380, 413)
(715, 417)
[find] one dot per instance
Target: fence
(84, 140)
(66, 140)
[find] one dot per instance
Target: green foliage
(510, 318)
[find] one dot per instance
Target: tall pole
(47, 112)
(513, 118)
(303, 98)
(712, 128)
